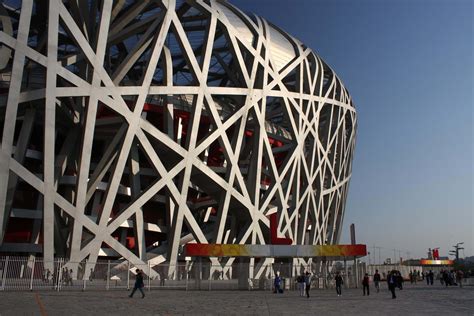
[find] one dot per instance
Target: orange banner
(430, 262)
(236, 250)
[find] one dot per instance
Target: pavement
(412, 300)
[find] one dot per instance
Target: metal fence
(30, 273)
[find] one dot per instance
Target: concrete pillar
(243, 280)
(356, 273)
(346, 279)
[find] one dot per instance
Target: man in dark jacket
(392, 282)
(365, 283)
(307, 281)
(277, 284)
(138, 283)
(338, 284)
(431, 277)
(377, 280)
(399, 280)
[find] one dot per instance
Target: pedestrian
(377, 280)
(301, 285)
(277, 284)
(91, 275)
(399, 280)
(392, 281)
(162, 279)
(65, 276)
(307, 281)
(365, 284)
(427, 275)
(338, 284)
(446, 278)
(431, 277)
(55, 277)
(69, 280)
(459, 276)
(138, 283)
(452, 278)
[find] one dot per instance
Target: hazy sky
(408, 66)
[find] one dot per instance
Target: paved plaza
(412, 300)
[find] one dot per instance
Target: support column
(11, 111)
(243, 274)
(346, 279)
(49, 138)
(135, 186)
(32, 273)
(356, 273)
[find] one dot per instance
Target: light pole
(455, 252)
(380, 257)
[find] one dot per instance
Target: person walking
(399, 280)
(377, 280)
(446, 278)
(301, 284)
(365, 284)
(138, 284)
(277, 284)
(459, 277)
(69, 280)
(56, 272)
(307, 281)
(91, 275)
(431, 277)
(64, 276)
(392, 282)
(338, 284)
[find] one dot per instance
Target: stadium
(132, 128)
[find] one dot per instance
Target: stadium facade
(131, 128)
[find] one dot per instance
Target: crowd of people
(453, 278)
(66, 277)
(394, 280)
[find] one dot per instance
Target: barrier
(29, 273)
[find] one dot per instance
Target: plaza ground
(412, 300)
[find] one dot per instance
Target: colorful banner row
(331, 252)
(426, 262)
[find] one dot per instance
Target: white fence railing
(30, 273)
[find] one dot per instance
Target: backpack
(299, 279)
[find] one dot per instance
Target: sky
(408, 65)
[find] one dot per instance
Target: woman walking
(138, 283)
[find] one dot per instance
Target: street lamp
(455, 252)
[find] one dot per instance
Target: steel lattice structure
(130, 128)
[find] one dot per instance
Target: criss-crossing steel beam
(182, 122)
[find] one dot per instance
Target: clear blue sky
(409, 68)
